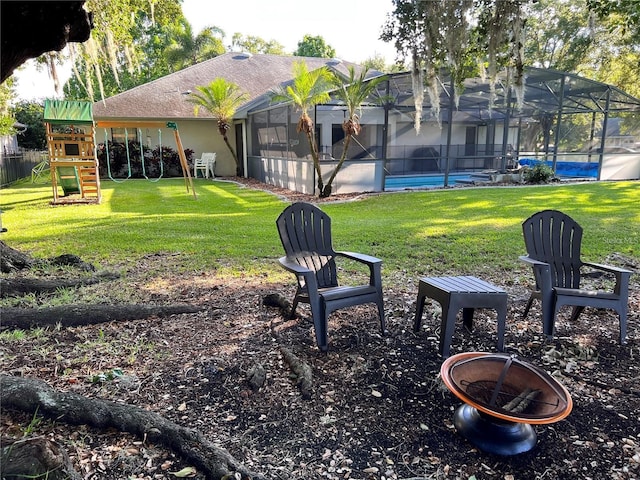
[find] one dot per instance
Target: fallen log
(77, 315)
(31, 395)
(19, 286)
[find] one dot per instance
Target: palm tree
(221, 99)
(187, 49)
(353, 94)
(307, 89)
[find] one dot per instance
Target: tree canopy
(253, 44)
(186, 49)
(311, 46)
(463, 36)
(120, 27)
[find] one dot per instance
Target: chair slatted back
(555, 238)
(305, 233)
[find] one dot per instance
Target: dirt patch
(377, 409)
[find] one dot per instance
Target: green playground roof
(68, 111)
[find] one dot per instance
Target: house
(561, 118)
(166, 99)
(9, 143)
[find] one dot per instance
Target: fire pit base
(493, 435)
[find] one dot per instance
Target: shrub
(539, 173)
(119, 164)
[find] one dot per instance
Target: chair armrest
(360, 257)
(532, 261)
(295, 267)
(374, 264)
(622, 276)
(607, 268)
(542, 273)
(306, 277)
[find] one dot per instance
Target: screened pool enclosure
(580, 127)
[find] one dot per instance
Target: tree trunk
(31, 395)
(76, 315)
(328, 186)
(316, 159)
(234, 155)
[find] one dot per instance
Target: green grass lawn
(232, 229)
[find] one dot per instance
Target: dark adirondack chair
(553, 241)
(305, 232)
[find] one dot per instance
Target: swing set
(73, 158)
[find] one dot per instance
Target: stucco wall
(620, 167)
(200, 135)
(300, 176)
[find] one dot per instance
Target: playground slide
(68, 180)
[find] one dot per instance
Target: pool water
(402, 182)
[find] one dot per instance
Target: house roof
(165, 98)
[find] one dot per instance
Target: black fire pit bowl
(489, 384)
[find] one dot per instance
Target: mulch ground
(378, 409)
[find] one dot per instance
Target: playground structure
(73, 160)
(70, 143)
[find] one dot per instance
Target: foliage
(307, 89)
(539, 173)
(221, 98)
(230, 229)
(311, 46)
(107, 376)
(6, 124)
(31, 115)
(460, 35)
(115, 39)
(352, 92)
(7, 118)
(187, 49)
(559, 35)
(377, 62)
(565, 35)
(151, 42)
(623, 15)
(253, 44)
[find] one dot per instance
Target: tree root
(77, 315)
(35, 458)
(31, 395)
(16, 287)
(302, 371)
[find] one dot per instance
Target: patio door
(470, 141)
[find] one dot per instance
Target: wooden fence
(16, 166)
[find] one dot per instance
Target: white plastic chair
(206, 164)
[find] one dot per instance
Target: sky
(351, 27)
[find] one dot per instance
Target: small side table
(455, 293)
